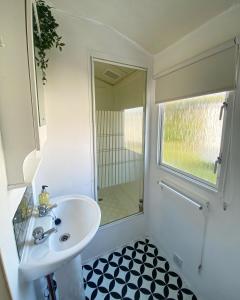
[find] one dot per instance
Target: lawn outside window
(191, 137)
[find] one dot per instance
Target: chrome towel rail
(170, 188)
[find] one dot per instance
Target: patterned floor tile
(135, 272)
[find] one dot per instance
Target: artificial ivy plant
(47, 38)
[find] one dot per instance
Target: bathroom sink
(80, 219)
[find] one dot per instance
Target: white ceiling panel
(153, 24)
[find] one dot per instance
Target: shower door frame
(94, 59)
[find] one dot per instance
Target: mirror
(38, 72)
(120, 98)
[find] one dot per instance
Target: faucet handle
(51, 206)
(40, 236)
(44, 209)
(38, 232)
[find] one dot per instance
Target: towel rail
(204, 208)
(170, 188)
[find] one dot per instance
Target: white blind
(212, 73)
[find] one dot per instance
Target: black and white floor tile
(135, 272)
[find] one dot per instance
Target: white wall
(216, 31)
(131, 91)
(219, 278)
(17, 104)
(3, 283)
(8, 204)
(104, 97)
(15, 129)
(67, 165)
(114, 236)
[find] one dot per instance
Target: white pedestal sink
(70, 285)
(80, 216)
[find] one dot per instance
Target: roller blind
(209, 73)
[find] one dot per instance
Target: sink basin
(80, 216)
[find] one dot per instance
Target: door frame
(120, 62)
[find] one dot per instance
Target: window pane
(133, 129)
(191, 136)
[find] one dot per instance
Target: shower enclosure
(119, 118)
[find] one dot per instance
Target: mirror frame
(38, 120)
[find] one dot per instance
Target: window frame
(223, 151)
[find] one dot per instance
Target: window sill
(188, 179)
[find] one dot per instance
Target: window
(133, 129)
(191, 135)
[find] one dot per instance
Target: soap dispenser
(43, 197)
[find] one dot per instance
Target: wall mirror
(119, 93)
(40, 90)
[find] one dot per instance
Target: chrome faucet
(40, 236)
(43, 210)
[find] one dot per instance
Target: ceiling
(153, 24)
(111, 74)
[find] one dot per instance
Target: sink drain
(64, 237)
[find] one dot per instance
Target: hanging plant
(48, 36)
